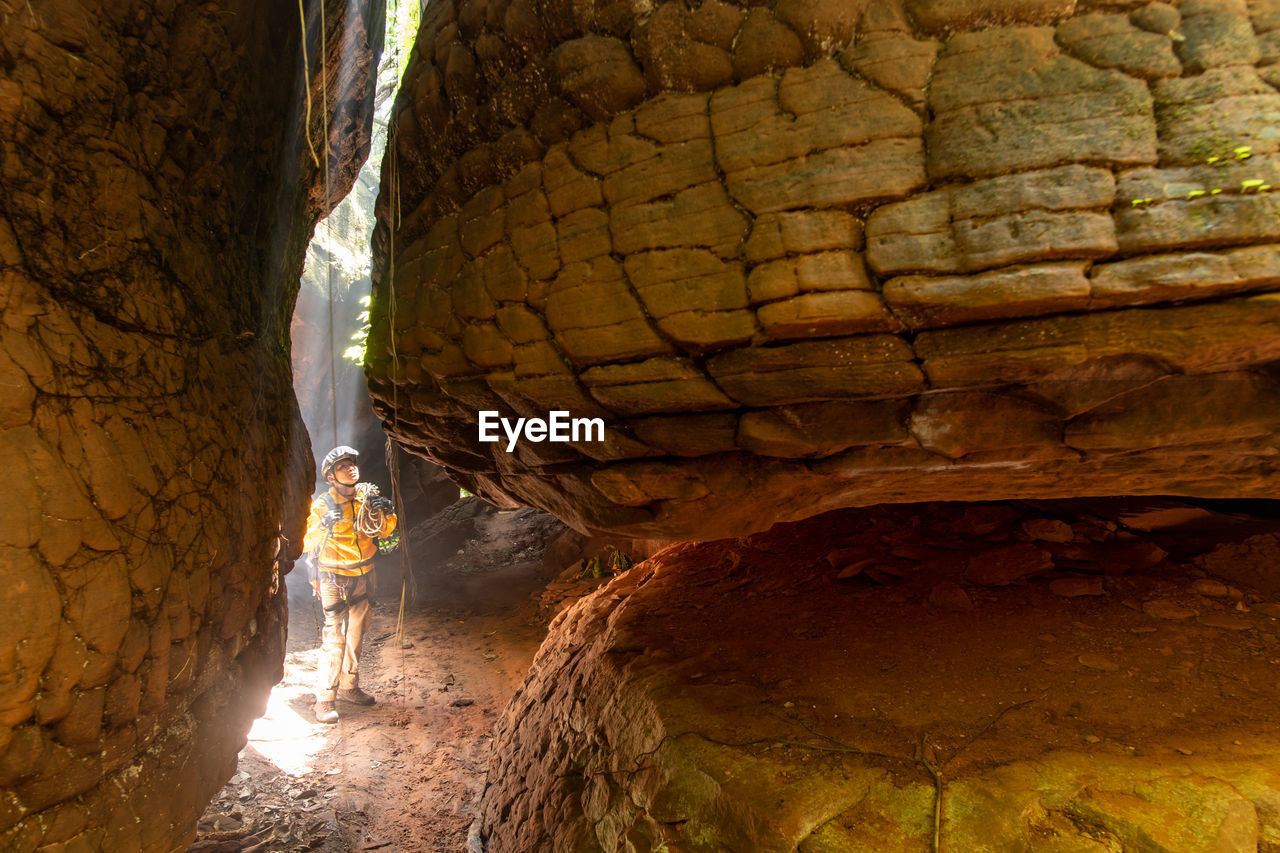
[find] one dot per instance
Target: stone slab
(655, 386)
(688, 435)
(701, 216)
(868, 366)
(1231, 334)
(1181, 410)
(880, 170)
(821, 429)
(830, 314)
(1112, 41)
(821, 271)
(675, 280)
(817, 108)
(701, 332)
(926, 302)
(1187, 275)
(776, 235)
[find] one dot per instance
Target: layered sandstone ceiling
(158, 198)
(806, 254)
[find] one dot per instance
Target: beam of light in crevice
(330, 386)
(283, 736)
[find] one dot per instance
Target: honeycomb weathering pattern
(816, 253)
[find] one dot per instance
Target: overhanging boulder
(811, 255)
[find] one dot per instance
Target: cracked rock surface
(1031, 676)
(801, 255)
(157, 201)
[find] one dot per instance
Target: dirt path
(405, 774)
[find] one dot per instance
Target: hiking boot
(326, 712)
(356, 696)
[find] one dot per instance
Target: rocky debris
(444, 532)
(1133, 556)
(719, 229)
(656, 714)
(1005, 565)
(471, 539)
(159, 194)
(471, 535)
(1163, 608)
(1226, 621)
(1211, 588)
(569, 548)
(1101, 663)
(1242, 562)
(584, 576)
(1075, 587)
(273, 811)
(1048, 530)
(949, 595)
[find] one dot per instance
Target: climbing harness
(346, 599)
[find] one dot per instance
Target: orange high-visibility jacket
(343, 549)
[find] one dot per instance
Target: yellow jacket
(343, 549)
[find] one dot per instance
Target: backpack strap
(315, 554)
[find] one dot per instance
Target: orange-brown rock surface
(965, 677)
(801, 255)
(158, 196)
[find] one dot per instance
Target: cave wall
(158, 199)
(806, 254)
(1020, 676)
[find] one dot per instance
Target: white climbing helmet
(333, 457)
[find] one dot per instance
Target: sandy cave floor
(403, 775)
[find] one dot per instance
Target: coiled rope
(369, 519)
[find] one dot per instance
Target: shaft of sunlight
(283, 736)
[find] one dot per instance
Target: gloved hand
(332, 517)
(381, 504)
